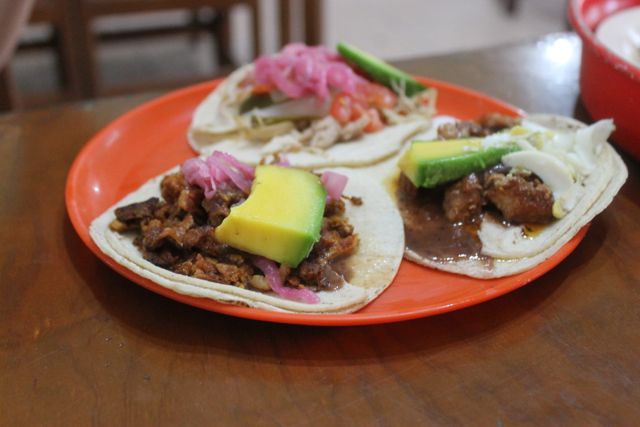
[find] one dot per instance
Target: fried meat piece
(520, 197)
(134, 213)
(495, 122)
(483, 126)
(461, 129)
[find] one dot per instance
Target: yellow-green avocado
(379, 70)
(281, 218)
(431, 163)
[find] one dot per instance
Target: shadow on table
(142, 316)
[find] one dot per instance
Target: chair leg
(8, 100)
(313, 22)
(82, 41)
(285, 22)
(67, 77)
(195, 24)
(222, 32)
(257, 28)
(222, 36)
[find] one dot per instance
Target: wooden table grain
(80, 345)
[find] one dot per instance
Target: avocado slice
(431, 163)
(282, 217)
(379, 70)
(256, 101)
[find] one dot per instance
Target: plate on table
(150, 139)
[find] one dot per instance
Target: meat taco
(497, 196)
(273, 237)
(319, 107)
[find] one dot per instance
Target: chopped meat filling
(132, 214)
(336, 240)
(483, 126)
(179, 234)
(219, 206)
(216, 270)
(202, 239)
(323, 133)
(171, 186)
(461, 129)
(464, 199)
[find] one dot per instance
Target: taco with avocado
(318, 107)
(272, 237)
(498, 196)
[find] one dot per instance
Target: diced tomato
(380, 96)
(357, 111)
(346, 108)
(375, 122)
(261, 88)
(342, 108)
(361, 94)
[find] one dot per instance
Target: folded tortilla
(513, 252)
(216, 125)
(374, 264)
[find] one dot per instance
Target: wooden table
(79, 345)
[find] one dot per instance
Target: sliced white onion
(307, 107)
(588, 143)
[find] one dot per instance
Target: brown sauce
(341, 273)
(533, 230)
(429, 234)
(427, 231)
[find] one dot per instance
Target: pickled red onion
(334, 183)
(196, 172)
(272, 273)
(299, 70)
(218, 168)
(218, 161)
(246, 170)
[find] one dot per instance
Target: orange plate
(151, 139)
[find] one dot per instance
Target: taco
(315, 106)
(498, 196)
(273, 237)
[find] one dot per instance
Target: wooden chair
(90, 10)
(7, 91)
(58, 14)
(75, 40)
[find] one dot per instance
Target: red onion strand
(271, 272)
